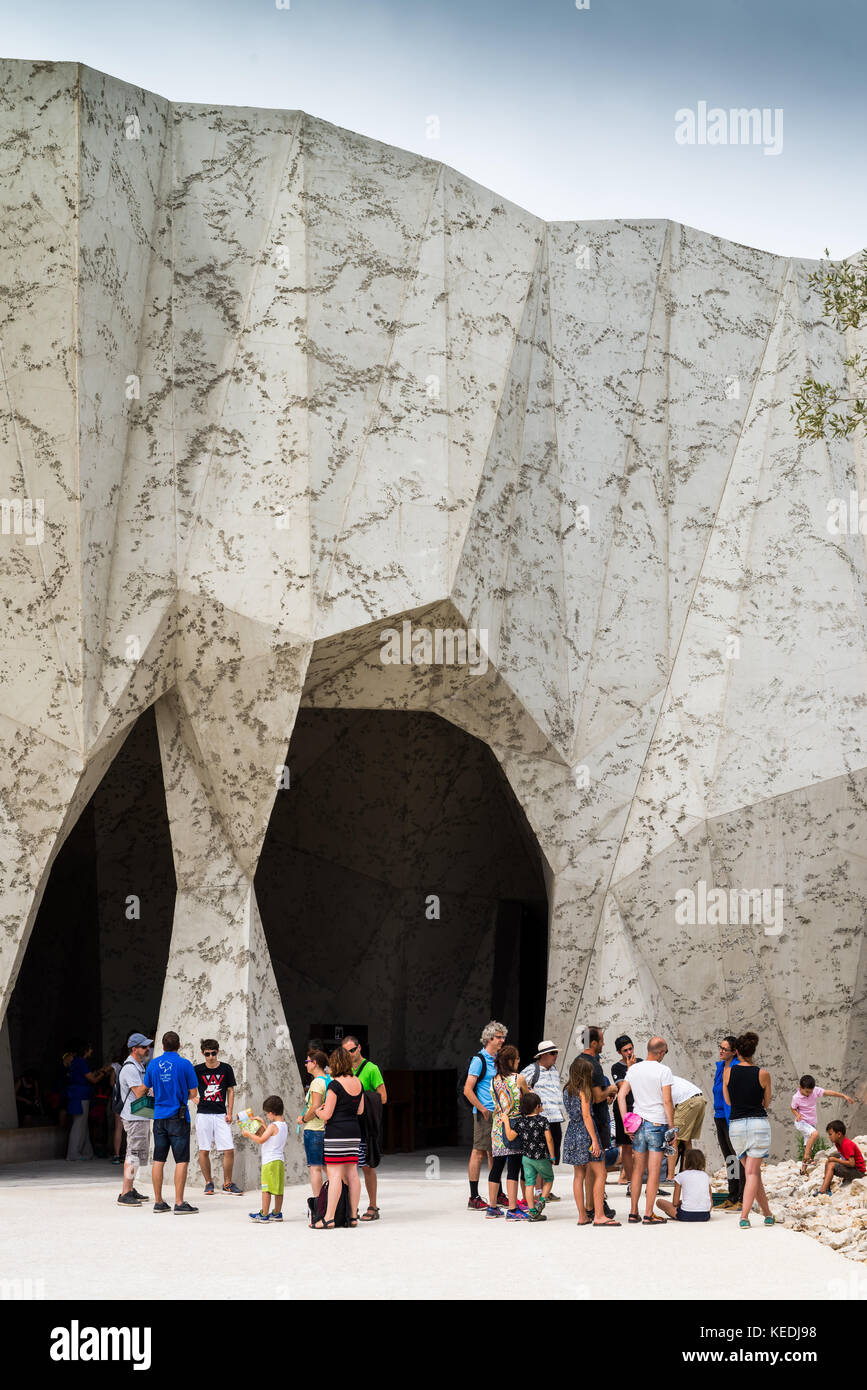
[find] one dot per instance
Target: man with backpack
(137, 1130)
(477, 1090)
(544, 1078)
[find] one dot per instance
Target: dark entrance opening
(96, 959)
(403, 900)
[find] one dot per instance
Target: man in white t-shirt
(650, 1084)
(689, 1107)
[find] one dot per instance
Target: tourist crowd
(525, 1121)
(519, 1115)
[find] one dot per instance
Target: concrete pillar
(219, 980)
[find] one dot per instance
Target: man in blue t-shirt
(727, 1053)
(173, 1082)
(477, 1090)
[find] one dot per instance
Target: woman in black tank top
(747, 1089)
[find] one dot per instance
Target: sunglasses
(210, 1054)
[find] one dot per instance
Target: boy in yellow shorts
(272, 1141)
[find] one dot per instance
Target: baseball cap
(138, 1040)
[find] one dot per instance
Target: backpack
(118, 1099)
(317, 1207)
(536, 1070)
(461, 1084)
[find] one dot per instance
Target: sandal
(372, 1214)
(634, 1219)
(654, 1221)
(597, 1224)
(320, 1224)
(353, 1220)
(588, 1222)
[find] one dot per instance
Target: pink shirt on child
(806, 1105)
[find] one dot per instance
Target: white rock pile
(839, 1219)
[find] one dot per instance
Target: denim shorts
(649, 1138)
(172, 1133)
(314, 1147)
(751, 1136)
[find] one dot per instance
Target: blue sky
(569, 112)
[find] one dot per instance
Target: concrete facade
(276, 387)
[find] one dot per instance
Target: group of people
(519, 1117)
(524, 1121)
(341, 1125)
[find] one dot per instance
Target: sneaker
(491, 1213)
(232, 1190)
(516, 1215)
(276, 1216)
(117, 1159)
(552, 1197)
(502, 1200)
(161, 1206)
(184, 1209)
(209, 1189)
(522, 1204)
(140, 1195)
(260, 1217)
(629, 1189)
(536, 1214)
(128, 1199)
(477, 1204)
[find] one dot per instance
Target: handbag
(143, 1108)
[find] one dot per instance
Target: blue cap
(138, 1040)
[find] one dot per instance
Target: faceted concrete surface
(61, 1234)
(280, 386)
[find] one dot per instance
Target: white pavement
(63, 1236)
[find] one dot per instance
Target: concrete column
(219, 980)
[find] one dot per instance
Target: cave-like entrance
(402, 896)
(96, 960)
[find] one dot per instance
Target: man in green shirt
(370, 1077)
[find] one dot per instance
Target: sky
(571, 113)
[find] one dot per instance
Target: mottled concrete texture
(278, 386)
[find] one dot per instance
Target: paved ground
(62, 1235)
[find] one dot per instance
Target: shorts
(314, 1147)
(804, 1127)
(172, 1133)
(541, 1166)
(274, 1177)
(692, 1215)
(362, 1155)
(689, 1117)
(138, 1141)
(649, 1138)
(842, 1170)
(751, 1136)
(482, 1123)
(213, 1130)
